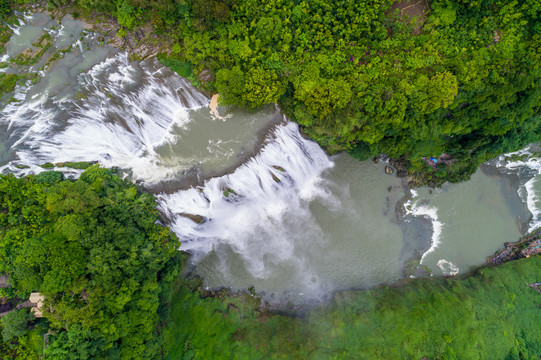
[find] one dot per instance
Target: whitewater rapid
(115, 125)
(526, 164)
(253, 209)
(416, 207)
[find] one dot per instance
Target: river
(254, 202)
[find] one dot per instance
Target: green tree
(14, 324)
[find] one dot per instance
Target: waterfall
(128, 110)
(261, 211)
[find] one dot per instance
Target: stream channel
(255, 203)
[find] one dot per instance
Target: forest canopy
(459, 79)
(93, 248)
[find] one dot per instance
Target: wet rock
(389, 170)
(198, 219)
(275, 178)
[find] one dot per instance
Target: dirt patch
(409, 9)
(214, 109)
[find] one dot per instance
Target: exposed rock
(37, 299)
(198, 219)
(4, 281)
(140, 43)
(205, 76)
(497, 36)
(389, 170)
(214, 113)
(275, 178)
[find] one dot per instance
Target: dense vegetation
(462, 79)
(93, 248)
(492, 314)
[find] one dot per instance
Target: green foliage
(208, 13)
(93, 248)
(8, 82)
(184, 69)
(81, 165)
(14, 324)
(362, 151)
(4, 8)
(252, 89)
(128, 14)
(57, 3)
(49, 177)
(492, 314)
(100, 5)
(354, 72)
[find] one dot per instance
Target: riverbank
(140, 44)
(150, 37)
(329, 201)
(491, 314)
(528, 245)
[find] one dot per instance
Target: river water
(254, 202)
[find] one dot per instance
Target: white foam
(430, 213)
(116, 132)
(447, 267)
(262, 222)
(526, 191)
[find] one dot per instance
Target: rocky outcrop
(198, 219)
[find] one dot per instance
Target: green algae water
(492, 314)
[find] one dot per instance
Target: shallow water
(525, 165)
(31, 28)
(476, 217)
(69, 31)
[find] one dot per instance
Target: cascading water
(261, 211)
(286, 222)
(286, 218)
(525, 164)
(139, 116)
(122, 132)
